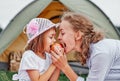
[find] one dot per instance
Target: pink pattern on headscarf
(32, 28)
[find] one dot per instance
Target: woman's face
(66, 36)
(49, 39)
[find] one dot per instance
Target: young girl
(36, 63)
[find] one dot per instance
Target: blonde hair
(81, 23)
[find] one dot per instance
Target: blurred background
(16, 14)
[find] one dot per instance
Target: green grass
(64, 78)
(7, 76)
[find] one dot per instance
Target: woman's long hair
(81, 23)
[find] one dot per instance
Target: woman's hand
(60, 61)
(59, 58)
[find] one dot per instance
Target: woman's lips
(64, 46)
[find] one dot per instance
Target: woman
(100, 54)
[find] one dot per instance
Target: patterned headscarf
(37, 26)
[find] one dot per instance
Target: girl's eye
(51, 37)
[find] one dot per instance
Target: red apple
(55, 45)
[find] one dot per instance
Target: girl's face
(66, 36)
(49, 39)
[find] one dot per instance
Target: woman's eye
(62, 33)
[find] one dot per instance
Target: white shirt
(31, 61)
(104, 61)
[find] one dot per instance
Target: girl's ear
(78, 35)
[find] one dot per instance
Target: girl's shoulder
(28, 53)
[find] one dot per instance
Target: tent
(12, 23)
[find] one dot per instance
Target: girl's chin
(48, 51)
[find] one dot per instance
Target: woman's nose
(59, 37)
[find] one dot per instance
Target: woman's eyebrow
(60, 29)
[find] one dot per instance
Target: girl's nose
(54, 40)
